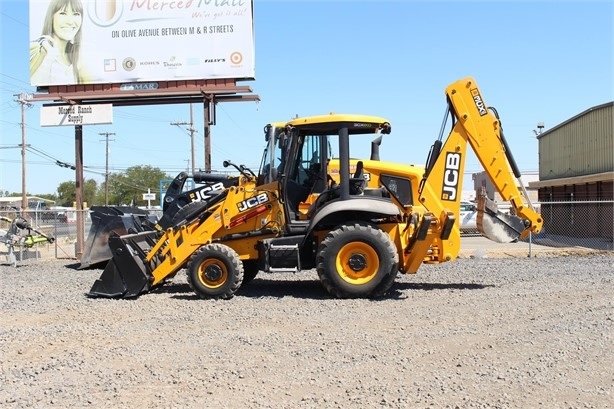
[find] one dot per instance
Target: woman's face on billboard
(66, 23)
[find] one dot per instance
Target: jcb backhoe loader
(357, 237)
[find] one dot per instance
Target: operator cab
(309, 144)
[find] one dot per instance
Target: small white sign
(149, 196)
(71, 115)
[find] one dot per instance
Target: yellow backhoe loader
(357, 234)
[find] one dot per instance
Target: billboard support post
(79, 190)
(207, 132)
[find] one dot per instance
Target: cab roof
(328, 124)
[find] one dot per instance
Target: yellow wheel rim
(212, 273)
(357, 263)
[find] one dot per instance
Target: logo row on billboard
(129, 63)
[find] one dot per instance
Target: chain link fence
(567, 224)
(587, 224)
(38, 234)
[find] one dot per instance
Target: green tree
(67, 192)
(90, 187)
(127, 188)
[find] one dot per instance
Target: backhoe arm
(475, 125)
(479, 125)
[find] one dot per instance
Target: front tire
(215, 271)
(357, 260)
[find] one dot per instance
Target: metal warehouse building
(576, 174)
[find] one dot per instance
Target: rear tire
(357, 260)
(215, 271)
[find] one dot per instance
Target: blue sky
(535, 61)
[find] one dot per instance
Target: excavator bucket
(126, 275)
(496, 225)
(106, 220)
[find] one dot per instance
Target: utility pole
(208, 104)
(106, 170)
(192, 131)
(23, 99)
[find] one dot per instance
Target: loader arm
(179, 243)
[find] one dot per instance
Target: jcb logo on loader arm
(253, 202)
(201, 194)
(451, 176)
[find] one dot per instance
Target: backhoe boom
(477, 125)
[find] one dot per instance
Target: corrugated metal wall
(583, 145)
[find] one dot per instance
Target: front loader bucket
(125, 275)
(495, 225)
(107, 220)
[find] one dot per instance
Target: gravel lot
(474, 333)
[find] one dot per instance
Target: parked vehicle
(468, 218)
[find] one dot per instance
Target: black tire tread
(235, 262)
(389, 247)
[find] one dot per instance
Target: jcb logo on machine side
(451, 176)
(253, 202)
(479, 102)
(202, 193)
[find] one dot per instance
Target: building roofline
(574, 180)
(573, 118)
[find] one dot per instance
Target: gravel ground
(473, 333)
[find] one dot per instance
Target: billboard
(117, 41)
